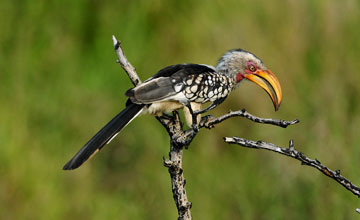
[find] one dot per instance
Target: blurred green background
(60, 84)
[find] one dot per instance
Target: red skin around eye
(249, 63)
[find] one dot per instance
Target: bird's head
(241, 64)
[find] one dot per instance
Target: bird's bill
(269, 82)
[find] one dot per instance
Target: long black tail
(104, 136)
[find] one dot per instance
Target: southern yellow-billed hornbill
(185, 86)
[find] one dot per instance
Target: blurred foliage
(60, 84)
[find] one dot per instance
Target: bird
(185, 86)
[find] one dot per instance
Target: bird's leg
(212, 106)
(167, 116)
(176, 119)
(194, 124)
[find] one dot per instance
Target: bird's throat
(239, 77)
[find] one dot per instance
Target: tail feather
(104, 136)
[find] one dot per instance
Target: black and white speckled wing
(207, 87)
(167, 84)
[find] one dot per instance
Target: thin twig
(125, 64)
(210, 121)
(291, 152)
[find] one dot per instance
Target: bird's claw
(205, 120)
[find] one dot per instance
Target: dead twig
(210, 121)
(291, 152)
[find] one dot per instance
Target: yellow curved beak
(269, 82)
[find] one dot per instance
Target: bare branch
(125, 64)
(210, 122)
(291, 152)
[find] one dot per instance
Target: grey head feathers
(234, 61)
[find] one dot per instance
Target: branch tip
(114, 39)
(116, 43)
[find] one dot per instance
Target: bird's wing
(166, 83)
(186, 68)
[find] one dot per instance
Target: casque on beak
(269, 82)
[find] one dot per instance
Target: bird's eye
(252, 68)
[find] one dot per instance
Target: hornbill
(185, 86)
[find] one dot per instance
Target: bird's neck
(233, 79)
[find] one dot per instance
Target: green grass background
(59, 84)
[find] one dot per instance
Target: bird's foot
(190, 134)
(205, 121)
